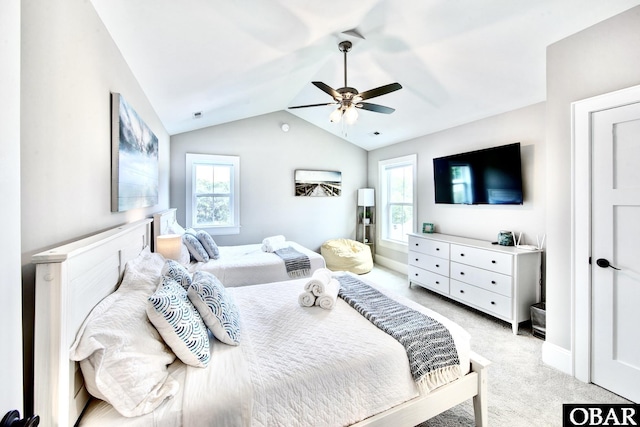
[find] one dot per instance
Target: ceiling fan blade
(328, 89)
(375, 107)
(313, 105)
(382, 90)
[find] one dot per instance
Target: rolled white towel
(307, 299)
(328, 298)
(273, 243)
(319, 280)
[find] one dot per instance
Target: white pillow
(196, 249)
(175, 228)
(216, 306)
(177, 272)
(179, 323)
(209, 244)
(123, 358)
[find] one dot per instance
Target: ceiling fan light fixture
(350, 115)
(336, 115)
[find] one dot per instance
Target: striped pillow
(216, 306)
(179, 323)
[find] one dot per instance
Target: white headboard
(70, 280)
(161, 222)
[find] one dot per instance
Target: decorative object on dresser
(365, 231)
(502, 281)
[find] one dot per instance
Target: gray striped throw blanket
(296, 263)
(433, 358)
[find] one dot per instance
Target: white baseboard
(557, 357)
(400, 267)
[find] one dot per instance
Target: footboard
(413, 412)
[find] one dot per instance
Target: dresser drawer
(485, 279)
(429, 247)
(489, 260)
(428, 262)
(428, 279)
(485, 300)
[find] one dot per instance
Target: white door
(615, 263)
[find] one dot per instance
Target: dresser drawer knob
(416, 274)
(461, 254)
(493, 261)
(437, 249)
(437, 283)
(461, 291)
(437, 265)
(462, 273)
(416, 259)
(493, 282)
(493, 303)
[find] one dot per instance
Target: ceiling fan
(348, 99)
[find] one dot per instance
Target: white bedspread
(313, 376)
(249, 265)
(295, 366)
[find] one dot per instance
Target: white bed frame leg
(480, 408)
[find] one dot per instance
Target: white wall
(69, 66)
(268, 159)
(10, 286)
(600, 59)
(526, 126)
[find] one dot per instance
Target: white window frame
(383, 166)
(213, 159)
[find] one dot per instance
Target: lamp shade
(366, 197)
(169, 246)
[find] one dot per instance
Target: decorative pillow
(216, 306)
(196, 249)
(122, 356)
(209, 244)
(185, 255)
(176, 271)
(178, 322)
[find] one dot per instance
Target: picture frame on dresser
(502, 281)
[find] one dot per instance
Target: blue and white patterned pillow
(179, 323)
(178, 272)
(216, 306)
(196, 249)
(209, 244)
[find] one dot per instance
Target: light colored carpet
(522, 390)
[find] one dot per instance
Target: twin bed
(295, 365)
(239, 265)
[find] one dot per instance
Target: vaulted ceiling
(457, 60)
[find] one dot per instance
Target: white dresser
(499, 280)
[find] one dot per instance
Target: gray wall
(526, 126)
(600, 59)
(11, 313)
(69, 66)
(268, 159)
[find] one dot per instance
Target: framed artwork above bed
(314, 183)
(134, 159)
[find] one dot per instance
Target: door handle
(604, 263)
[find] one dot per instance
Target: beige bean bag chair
(347, 255)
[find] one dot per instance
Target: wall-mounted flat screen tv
(492, 176)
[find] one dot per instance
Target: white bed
(240, 265)
(72, 279)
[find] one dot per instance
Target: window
(397, 197)
(213, 193)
